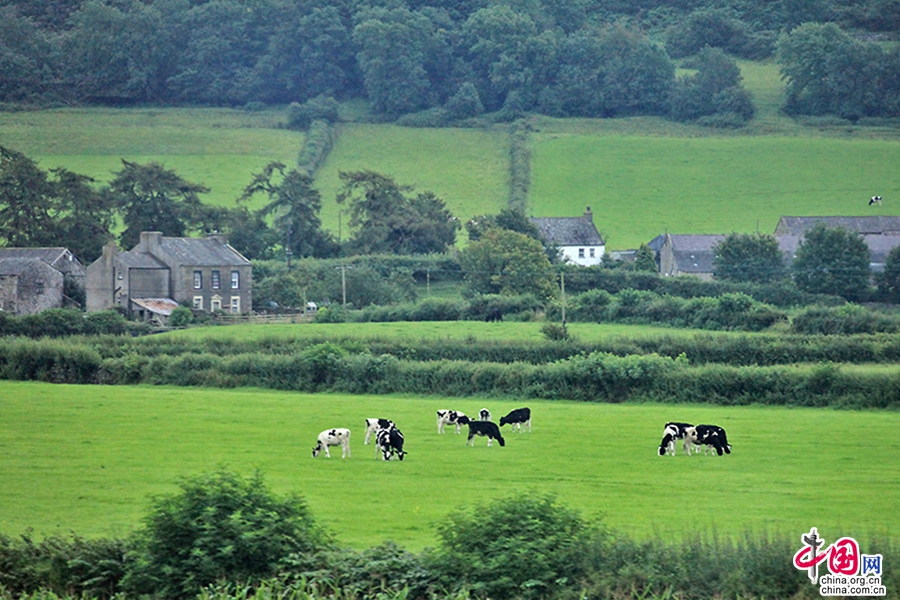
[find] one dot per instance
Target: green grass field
(89, 459)
(220, 148)
(430, 330)
(466, 168)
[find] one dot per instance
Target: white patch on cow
(333, 437)
(449, 417)
(373, 425)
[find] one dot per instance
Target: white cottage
(576, 237)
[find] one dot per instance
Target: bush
(523, 546)
(320, 108)
(222, 527)
(181, 317)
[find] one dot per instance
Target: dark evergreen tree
(386, 220)
(85, 215)
(28, 202)
(152, 198)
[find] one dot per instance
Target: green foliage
(645, 260)
(523, 546)
(749, 257)
(889, 279)
(833, 261)
(319, 139)
(27, 200)
(153, 198)
(320, 108)
(843, 320)
(220, 526)
(386, 220)
(507, 262)
(181, 317)
(714, 91)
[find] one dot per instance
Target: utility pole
(428, 282)
(287, 248)
(343, 269)
(562, 287)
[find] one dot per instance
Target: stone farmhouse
(35, 279)
(576, 237)
(158, 274)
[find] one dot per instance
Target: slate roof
(16, 266)
(694, 253)
(864, 225)
(48, 255)
(201, 252)
(568, 231)
(140, 260)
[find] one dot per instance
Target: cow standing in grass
(373, 425)
(517, 418)
(710, 436)
(333, 437)
(483, 428)
(389, 442)
(448, 417)
(673, 432)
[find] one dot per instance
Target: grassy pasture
(467, 168)
(639, 187)
(87, 459)
(219, 148)
(414, 331)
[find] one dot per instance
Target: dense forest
(434, 62)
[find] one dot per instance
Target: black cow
(517, 418)
(485, 428)
(390, 442)
(710, 435)
(672, 433)
(493, 315)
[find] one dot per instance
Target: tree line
(436, 62)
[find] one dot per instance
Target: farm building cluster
(160, 273)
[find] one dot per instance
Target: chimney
(588, 214)
(221, 238)
(150, 242)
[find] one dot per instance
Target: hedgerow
(222, 537)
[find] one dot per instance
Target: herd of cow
(708, 436)
(389, 439)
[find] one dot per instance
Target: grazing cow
(672, 433)
(484, 415)
(373, 425)
(389, 442)
(517, 418)
(333, 437)
(493, 315)
(875, 200)
(448, 417)
(709, 435)
(485, 428)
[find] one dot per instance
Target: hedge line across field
(329, 367)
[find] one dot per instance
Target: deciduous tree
(749, 257)
(507, 262)
(833, 261)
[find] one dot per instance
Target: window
(235, 304)
(592, 253)
(216, 303)
(235, 280)
(38, 287)
(198, 302)
(581, 253)
(216, 280)
(198, 280)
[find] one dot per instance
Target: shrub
(108, 322)
(181, 317)
(324, 108)
(221, 527)
(523, 546)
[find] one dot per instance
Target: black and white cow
(875, 200)
(709, 436)
(484, 428)
(333, 437)
(484, 415)
(517, 418)
(389, 442)
(671, 434)
(373, 425)
(448, 417)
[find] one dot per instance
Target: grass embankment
(88, 459)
